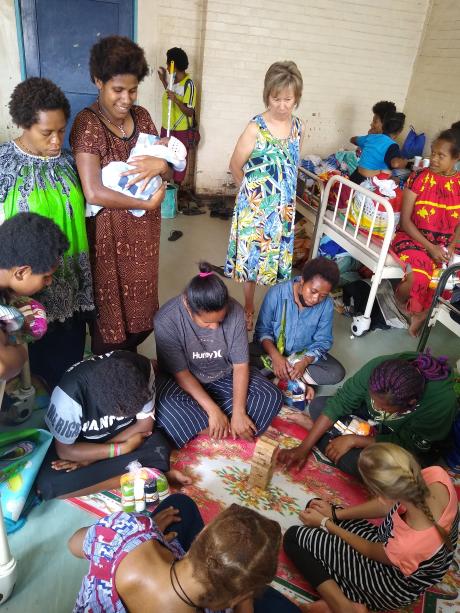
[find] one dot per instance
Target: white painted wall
(433, 100)
(10, 72)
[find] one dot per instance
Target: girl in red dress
(429, 231)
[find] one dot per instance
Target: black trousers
(154, 453)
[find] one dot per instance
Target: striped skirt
(182, 418)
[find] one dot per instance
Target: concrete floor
(49, 577)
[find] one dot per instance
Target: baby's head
(393, 123)
(379, 110)
(30, 249)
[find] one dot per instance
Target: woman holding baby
(124, 247)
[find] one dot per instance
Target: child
(385, 567)
(379, 110)
(170, 562)
(429, 231)
(380, 152)
(102, 417)
(30, 249)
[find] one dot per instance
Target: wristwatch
(323, 523)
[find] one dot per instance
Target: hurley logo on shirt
(206, 354)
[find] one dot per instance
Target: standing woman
(124, 248)
(37, 176)
(264, 164)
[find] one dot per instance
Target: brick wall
(9, 66)
(433, 100)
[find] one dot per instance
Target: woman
(124, 247)
(429, 233)
(294, 327)
(409, 396)
(37, 176)
(264, 164)
(170, 562)
(385, 567)
(202, 344)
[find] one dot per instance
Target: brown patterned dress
(124, 249)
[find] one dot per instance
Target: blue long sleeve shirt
(308, 330)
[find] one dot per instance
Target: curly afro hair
(178, 56)
(382, 108)
(34, 95)
(28, 239)
(115, 55)
(322, 267)
(118, 384)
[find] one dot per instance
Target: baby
(169, 149)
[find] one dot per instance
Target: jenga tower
(263, 462)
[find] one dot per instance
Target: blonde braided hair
(392, 472)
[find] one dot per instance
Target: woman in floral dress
(265, 163)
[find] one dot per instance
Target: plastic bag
(414, 144)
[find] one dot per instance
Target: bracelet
(117, 449)
(112, 450)
(323, 523)
(334, 508)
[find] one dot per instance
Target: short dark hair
(34, 95)
(393, 123)
(382, 108)
(117, 383)
(28, 239)
(178, 56)
(206, 292)
(115, 55)
(324, 268)
(451, 136)
(455, 126)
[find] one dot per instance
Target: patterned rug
(220, 471)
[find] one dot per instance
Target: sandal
(249, 319)
(175, 235)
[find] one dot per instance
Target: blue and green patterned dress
(262, 234)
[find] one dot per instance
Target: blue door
(58, 36)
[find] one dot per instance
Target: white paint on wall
(10, 71)
(433, 100)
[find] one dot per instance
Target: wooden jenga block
(263, 462)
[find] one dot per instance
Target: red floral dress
(436, 214)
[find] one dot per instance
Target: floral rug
(220, 472)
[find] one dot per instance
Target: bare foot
(175, 476)
(416, 322)
(301, 419)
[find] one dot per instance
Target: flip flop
(175, 235)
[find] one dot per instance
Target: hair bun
(204, 267)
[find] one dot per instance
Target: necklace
(28, 150)
(185, 599)
(122, 130)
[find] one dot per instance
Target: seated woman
(409, 396)
(429, 231)
(174, 565)
(385, 567)
(380, 152)
(202, 343)
(102, 418)
(294, 327)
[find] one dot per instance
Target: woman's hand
(291, 458)
(321, 506)
(134, 442)
(242, 426)
(165, 518)
(171, 96)
(144, 168)
(451, 249)
(218, 424)
(438, 253)
(339, 446)
(280, 366)
(311, 518)
(163, 75)
(297, 370)
(156, 200)
(67, 465)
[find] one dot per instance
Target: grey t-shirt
(208, 354)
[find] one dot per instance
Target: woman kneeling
(382, 567)
(202, 342)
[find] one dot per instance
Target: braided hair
(392, 472)
(403, 381)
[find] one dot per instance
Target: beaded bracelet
(334, 508)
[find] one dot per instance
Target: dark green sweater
(430, 422)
